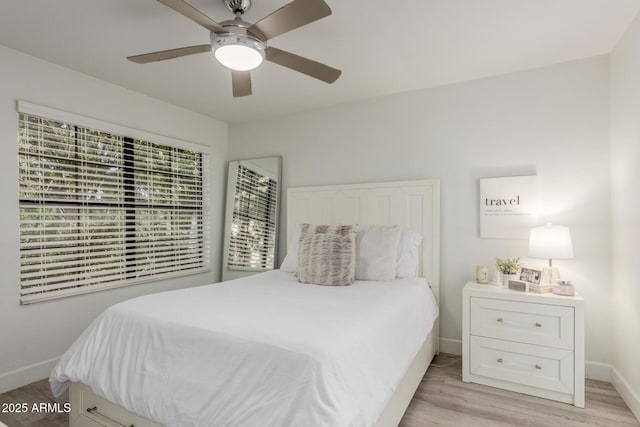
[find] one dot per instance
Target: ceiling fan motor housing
(239, 37)
(237, 6)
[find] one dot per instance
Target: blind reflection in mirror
(251, 221)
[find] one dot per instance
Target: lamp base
(550, 275)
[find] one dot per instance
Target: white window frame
(28, 297)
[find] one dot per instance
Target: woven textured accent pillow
(290, 262)
(327, 259)
(340, 230)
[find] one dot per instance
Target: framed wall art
(508, 206)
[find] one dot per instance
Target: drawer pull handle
(538, 325)
(94, 411)
(500, 360)
(499, 319)
(538, 367)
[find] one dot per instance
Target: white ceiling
(382, 46)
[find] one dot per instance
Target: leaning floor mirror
(251, 217)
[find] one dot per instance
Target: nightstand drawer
(539, 324)
(533, 366)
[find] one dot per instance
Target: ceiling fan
(242, 46)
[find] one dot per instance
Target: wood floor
(444, 400)
(441, 400)
(38, 392)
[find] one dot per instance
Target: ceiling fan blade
(194, 14)
(241, 82)
(289, 17)
(303, 65)
(169, 54)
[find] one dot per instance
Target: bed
(274, 356)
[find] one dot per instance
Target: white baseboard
(597, 371)
(451, 346)
(23, 376)
(629, 395)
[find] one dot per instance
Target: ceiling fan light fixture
(240, 52)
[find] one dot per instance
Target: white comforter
(259, 351)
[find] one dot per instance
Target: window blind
(252, 238)
(99, 210)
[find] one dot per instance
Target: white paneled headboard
(413, 205)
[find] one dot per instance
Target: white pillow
(376, 251)
(290, 262)
(408, 256)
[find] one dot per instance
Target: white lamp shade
(550, 242)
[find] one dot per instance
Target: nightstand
(524, 342)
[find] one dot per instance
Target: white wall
(625, 172)
(553, 122)
(33, 336)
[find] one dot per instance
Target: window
(100, 210)
(252, 235)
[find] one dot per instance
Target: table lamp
(550, 242)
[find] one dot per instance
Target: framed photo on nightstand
(531, 275)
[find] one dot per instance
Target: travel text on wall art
(508, 206)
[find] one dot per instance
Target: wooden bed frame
(411, 204)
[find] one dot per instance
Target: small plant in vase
(508, 267)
